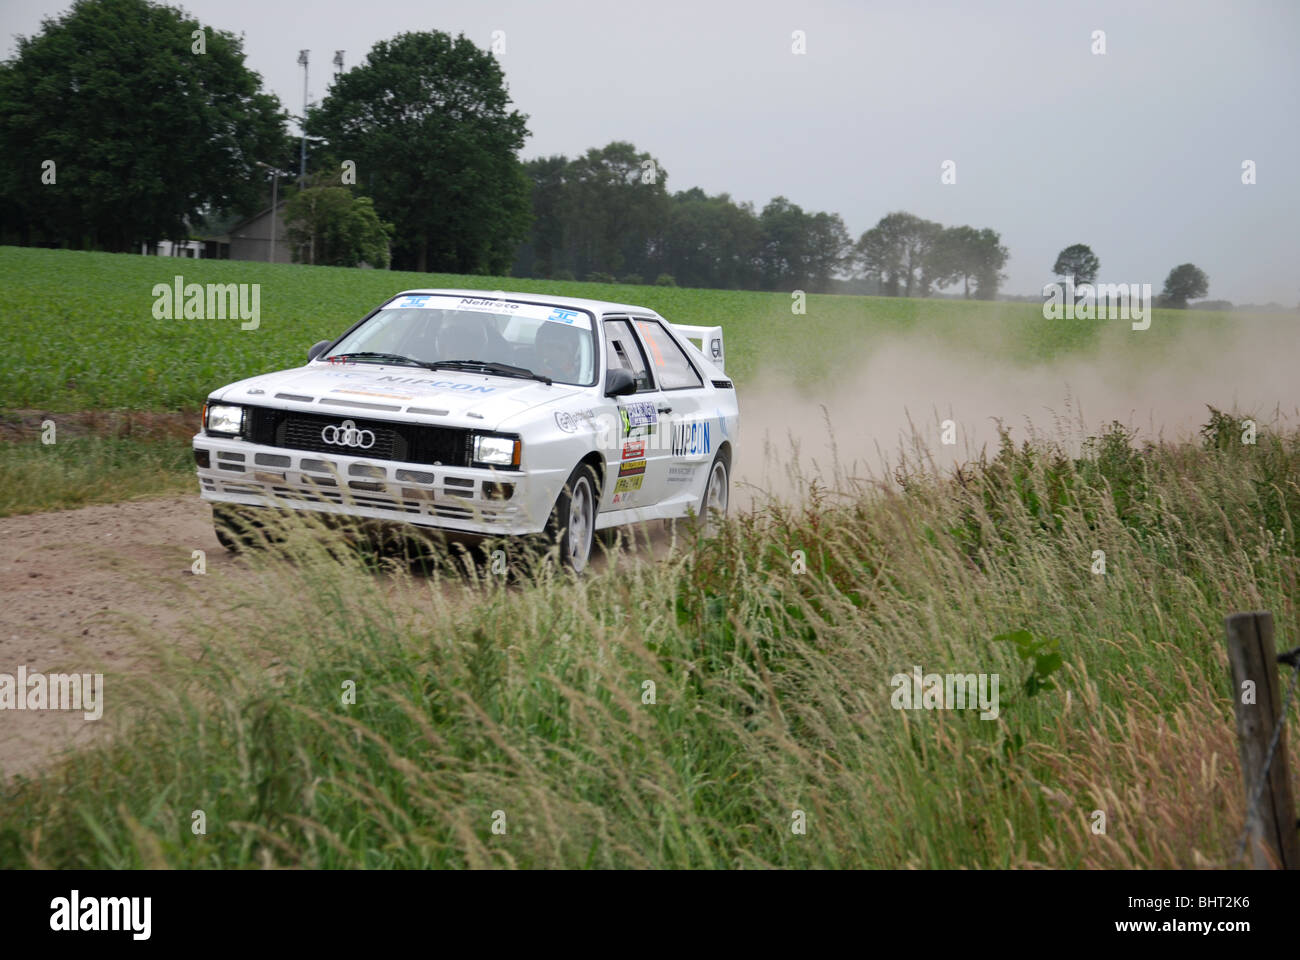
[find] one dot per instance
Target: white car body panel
(558, 424)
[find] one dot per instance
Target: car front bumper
(463, 499)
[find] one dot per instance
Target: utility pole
(275, 184)
(302, 172)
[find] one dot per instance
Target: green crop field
(80, 331)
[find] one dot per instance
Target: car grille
(406, 442)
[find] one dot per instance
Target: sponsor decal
(634, 450)
(627, 484)
(569, 422)
(482, 303)
(631, 468)
(680, 474)
(439, 384)
(346, 434)
(532, 311)
(639, 419)
(692, 439)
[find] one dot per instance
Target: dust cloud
(903, 389)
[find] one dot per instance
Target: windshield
(554, 342)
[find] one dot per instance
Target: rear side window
(622, 350)
(671, 365)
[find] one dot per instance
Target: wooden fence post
(1273, 840)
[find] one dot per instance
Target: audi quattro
(499, 414)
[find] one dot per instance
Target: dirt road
(81, 588)
(93, 590)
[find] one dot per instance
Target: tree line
(414, 164)
(164, 133)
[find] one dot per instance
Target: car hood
(383, 391)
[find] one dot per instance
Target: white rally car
(489, 414)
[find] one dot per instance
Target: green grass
(80, 332)
(772, 691)
(82, 470)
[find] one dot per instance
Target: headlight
(496, 451)
(224, 418)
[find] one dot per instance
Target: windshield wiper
(489, 366)
(372, 355)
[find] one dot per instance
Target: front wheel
(237, 530)
(573, 520)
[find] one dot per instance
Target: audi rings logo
(346, 434)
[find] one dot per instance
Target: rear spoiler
(710, 341)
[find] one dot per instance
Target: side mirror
(619, 383)
(317, 349)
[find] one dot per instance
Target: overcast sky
(1137, 152)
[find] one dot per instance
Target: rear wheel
(717, 494)
(573, 519)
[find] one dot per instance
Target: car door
(686, 428)
(628, 463)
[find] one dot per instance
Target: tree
(615, 210)
(990, 257)
(711, 242)
(952, 258)
(800, 250)
(337, 228)
(145, 134)
(543, 254)
(899, 249)
(965, 254)
(427, 120)
(1185, 282)
(1077, 262)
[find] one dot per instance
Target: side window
(674, 370)
(622, 350)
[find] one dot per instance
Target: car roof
(595, 306)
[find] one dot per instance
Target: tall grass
(81, 470)
(524, 708)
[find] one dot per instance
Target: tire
(573, 519)
(717, 494)
(238, 530)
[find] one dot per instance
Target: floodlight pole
(302, 172)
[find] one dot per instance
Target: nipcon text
(57, 691)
